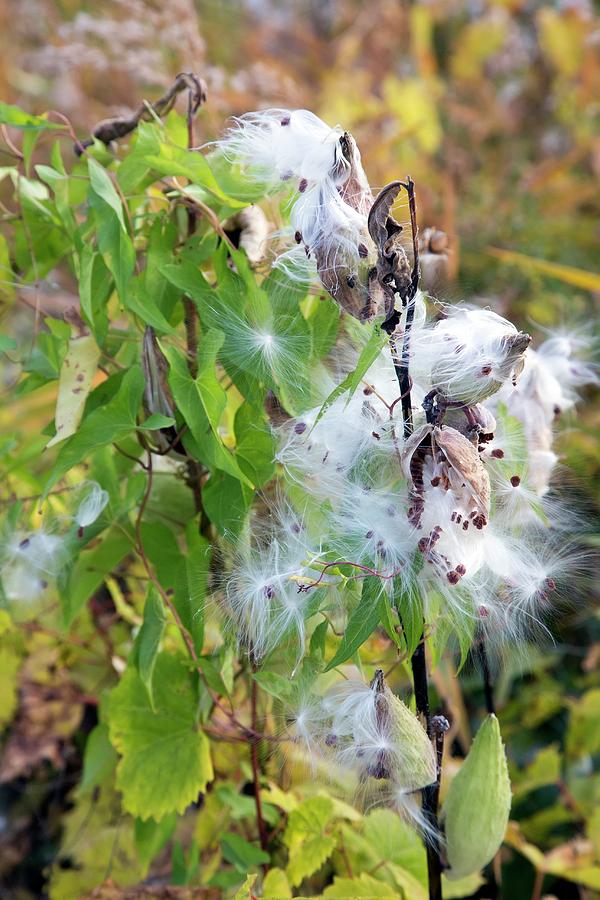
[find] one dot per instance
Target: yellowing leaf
(412, 101)
(276, 884)
(74, 384)
(246, 889)
(165, 759)
(363, 886)
(588, 281)
(562, 38)
(308, 845)
(477, 41)
(9, 666)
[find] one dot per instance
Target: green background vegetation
(493, 110)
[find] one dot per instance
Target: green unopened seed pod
(475, 814)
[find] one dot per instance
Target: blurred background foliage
(493, 109)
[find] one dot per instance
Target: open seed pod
(454, 463)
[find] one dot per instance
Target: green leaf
(89, 572)
(7, 276)
(192, 165)
(156, 421)
(255, 444)
(95, 287)
(274, 684)
(102, 186)
(362, 622)
(115, 245)
(151, 837)
(368, 355)
(147, 642)
(7, 343)
(305, 839)
(242, 854)
(144, 305)
(201, 402)
(323, 323)
(74, 384)
(165, 760)
(362, 886)
(197, 568)
(102, 426)
(276, 885)
(99, 759)
(18, 118)
(246, 892)
(393, 840)
(114, 242)
(226, 502)
(409, 605)
(134, 169)
(387, 620)
(59, 183)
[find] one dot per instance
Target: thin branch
(418, 660)
(254, 748)
(431, 796)
(488, 688)
(248, 732)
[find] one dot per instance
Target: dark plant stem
(419, 669)
(254, 748)
(488, 688)
(195, 470)
(430, 794)
(191, 316)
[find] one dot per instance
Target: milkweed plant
(268, 429)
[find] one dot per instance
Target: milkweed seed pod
(476, 422)
(433, 258)
(469, 355)
(330, 205)
(548, 387)
(249, 230)
(475, 813)
(157, 394)
(451, 461)
(371, 731)
(450, 499)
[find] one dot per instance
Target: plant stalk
(254, 747)
(488, 687)
(430, 795)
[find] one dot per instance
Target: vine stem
(429, 794)
(488, 688)
(248, 732)
(254, 748)
(194, 469)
